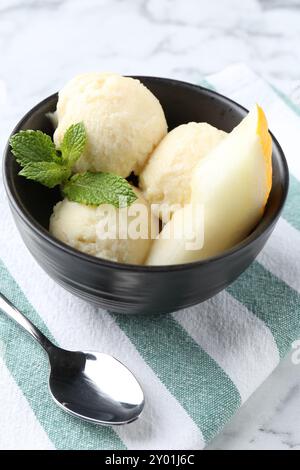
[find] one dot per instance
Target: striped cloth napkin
(197, 366)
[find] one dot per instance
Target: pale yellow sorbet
(79, 226)
(166, 179)
(124, 121)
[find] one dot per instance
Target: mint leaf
(99, 188)
(47, 173)
(73, 143)
(32, 146)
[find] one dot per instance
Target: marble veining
(45, 42)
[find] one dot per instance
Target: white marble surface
(45, 42)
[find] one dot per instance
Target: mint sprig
(42, 162)
(99, 188)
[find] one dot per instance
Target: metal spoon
(90, 385)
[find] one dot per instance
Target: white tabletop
(44, 43)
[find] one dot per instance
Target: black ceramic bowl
(130, 288)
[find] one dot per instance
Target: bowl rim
(40, 231)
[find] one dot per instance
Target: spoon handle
(12, 312)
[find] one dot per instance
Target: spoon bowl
(94, 386)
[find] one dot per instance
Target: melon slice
(232, 183)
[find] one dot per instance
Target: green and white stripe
(197, 366)
(191, 375)
(235, 338)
